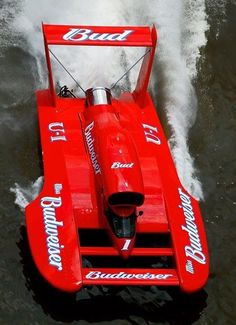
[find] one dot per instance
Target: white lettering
(58, 138)
(49, 201)
(189, 267)
(58, 130)
(70, 36)
(126, 245)
(91, 149)
(57, 188)
(49, 205)
(122, 275)
(118, 164)
(194, 250)
(56, 127)
(195, 254)
(151, 134)
(80, 34)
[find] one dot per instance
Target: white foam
(181, 25)
(24, 195)
(7, 13)
(194, 27)
(92, 67)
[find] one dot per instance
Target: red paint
(129, 154)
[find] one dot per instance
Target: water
(194, 74)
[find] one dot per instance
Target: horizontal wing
(99, 35)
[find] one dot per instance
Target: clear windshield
(123, 227)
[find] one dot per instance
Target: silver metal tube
(98, 96)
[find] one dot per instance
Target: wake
(181, 26)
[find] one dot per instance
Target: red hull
(92, 153)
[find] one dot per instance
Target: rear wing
(104, 36)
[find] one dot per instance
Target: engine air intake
(126, 198)
(98, 96)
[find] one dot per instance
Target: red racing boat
(111, 192)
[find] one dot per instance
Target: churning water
(193, 84)
(181, 25)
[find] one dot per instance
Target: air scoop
(98, 96)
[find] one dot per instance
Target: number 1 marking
(126, 245)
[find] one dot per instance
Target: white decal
(189, 267)
(123, 276)
(151, 134)
(57, 188)
(83, 34)
(90, 141)
(118, 164)
(194, 250)
(126, 245)
(49, 205)
(58, 130)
